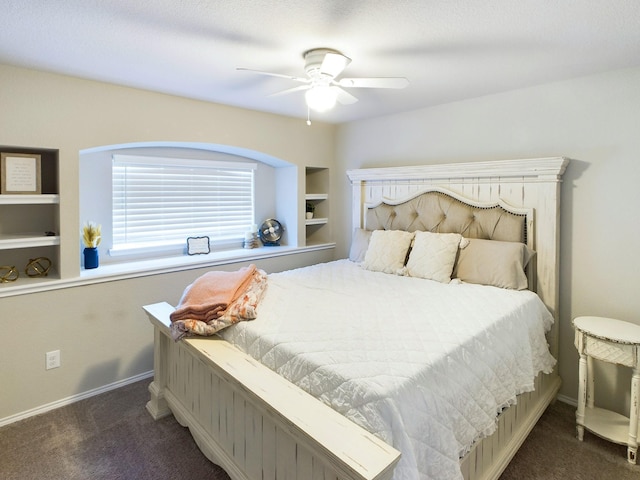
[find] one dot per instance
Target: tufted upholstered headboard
(529, 187)
(441, 212)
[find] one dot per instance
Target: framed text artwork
(20, 173)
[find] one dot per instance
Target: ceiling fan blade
(343, 97)
(290, 90)
(333, 64)
(380, 82)
(280, 75)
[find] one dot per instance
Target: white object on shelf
(612, 341)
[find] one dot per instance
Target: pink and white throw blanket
(216, 300)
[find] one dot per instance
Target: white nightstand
(612, 341)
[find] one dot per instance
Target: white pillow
(387, 251)
(359, 244)
(433, 255)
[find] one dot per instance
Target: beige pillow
(491, 262)
(387, 251)
(433, 255)
(359, 244)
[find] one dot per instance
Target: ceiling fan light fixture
(323, 89)
(320, 98)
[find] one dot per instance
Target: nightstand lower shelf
(607, 424)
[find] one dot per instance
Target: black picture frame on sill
(20, 173)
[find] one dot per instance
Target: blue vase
(90, 257)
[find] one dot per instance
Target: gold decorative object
(8, 274)
(38, 267)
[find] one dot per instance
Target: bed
(256, 423)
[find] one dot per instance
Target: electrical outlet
(53, 359)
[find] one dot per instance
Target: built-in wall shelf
(27, 240)
(41, 199)
(30, 226)
(317, 198)
(316, 221)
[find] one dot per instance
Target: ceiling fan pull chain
(308, 116)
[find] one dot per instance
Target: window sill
(121, 271)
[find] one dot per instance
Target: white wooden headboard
(527, 184)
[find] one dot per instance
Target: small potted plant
(91, 237)
(310, 207)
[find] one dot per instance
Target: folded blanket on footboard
(218, 299)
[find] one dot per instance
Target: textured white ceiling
(448, 49)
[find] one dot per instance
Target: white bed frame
(257, 425)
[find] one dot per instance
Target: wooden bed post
(157, 405)
(357, 202)
(548, 249)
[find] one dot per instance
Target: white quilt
(423, 365)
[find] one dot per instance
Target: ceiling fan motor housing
(313, 62)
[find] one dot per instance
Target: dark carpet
(107, 437)
(111, 436)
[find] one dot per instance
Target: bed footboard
(249, 420)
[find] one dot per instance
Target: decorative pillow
(387, 251)
(491, 262)
(359, 244)
(433, 255)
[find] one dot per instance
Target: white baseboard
(568, 400)
(74, 398)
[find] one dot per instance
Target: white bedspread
(423, 365)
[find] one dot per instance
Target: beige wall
(100, 329)
(593, 120)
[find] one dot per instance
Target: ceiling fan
(323, 89)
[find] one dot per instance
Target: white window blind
(160, 202)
